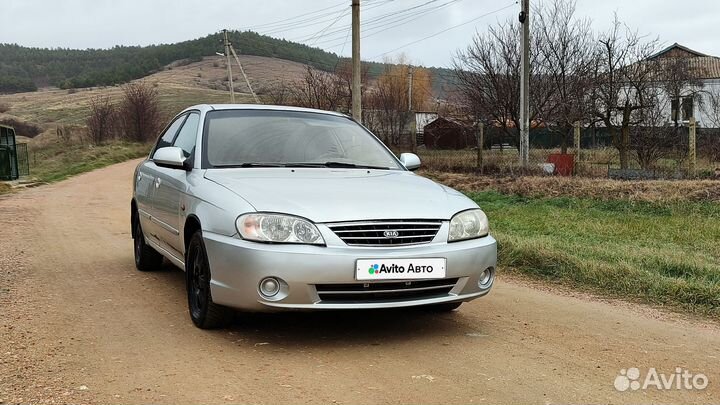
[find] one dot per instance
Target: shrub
(22, 128)
(139, 113)
(101, 123)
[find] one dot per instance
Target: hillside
(24, 69)
(204, 81)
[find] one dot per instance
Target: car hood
(332, 195)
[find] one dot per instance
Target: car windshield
(271, 138)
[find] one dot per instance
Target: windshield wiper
(336, 164)
(250, 164)
(331, 164)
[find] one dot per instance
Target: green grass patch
(58, 161)
(660, 253)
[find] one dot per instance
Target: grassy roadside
(659, 253)
(55, 162)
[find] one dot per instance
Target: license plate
(399, 269)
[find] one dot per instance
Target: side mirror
(411, 161)
(171, 157)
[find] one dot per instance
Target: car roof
(214, 107)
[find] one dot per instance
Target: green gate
(6, 166)
(14, 160)
(23, 162)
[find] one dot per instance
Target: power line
(393, 16)
(319, 34)
(445, 30)
(313, 21)
(306, 23)
(402, 20)
(347, 36)
(287, 20)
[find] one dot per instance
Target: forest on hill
(27, 69)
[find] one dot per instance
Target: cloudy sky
(391, 25)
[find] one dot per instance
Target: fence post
(480, 137)
(692, 153)
(577, 147)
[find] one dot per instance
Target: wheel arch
(192, 225)
(133, 217)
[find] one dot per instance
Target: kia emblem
(391, 234)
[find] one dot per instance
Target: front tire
(146, 258)
(204, 313)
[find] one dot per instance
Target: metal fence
(14, 162)
(681, 152)
(23, 159)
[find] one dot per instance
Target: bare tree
(710, 106)
(655, 138)
(389, 108)
(278, 93)
(101, 124)
(139, 114)
(488, 75)
(322, 90)
(344, 71)
(623, 76)
(566, 61)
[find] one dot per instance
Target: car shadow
(334, 328)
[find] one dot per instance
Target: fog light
(485, 278)
(269, 287)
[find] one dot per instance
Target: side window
(167, 138)
(188, 134)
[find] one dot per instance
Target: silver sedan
(275, 208)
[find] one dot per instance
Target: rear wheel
(146, 258)
(204, 313)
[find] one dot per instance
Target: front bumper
(238, 266)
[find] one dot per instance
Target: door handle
(157, 183)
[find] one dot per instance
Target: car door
(171, 189)
(145, 180)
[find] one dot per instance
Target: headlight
(468, 225)
(278, 228)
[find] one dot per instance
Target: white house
(697, 102)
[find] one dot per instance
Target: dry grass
(603, 189)
(665, 254)
(55, 162)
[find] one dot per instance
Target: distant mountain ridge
(25, 69)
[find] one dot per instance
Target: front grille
(385, 292)
(386, 233)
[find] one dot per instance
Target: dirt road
(80, 325)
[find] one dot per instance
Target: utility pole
(247, 81)
(356, 67)
(525, 85)
(413, 120)
(577, 132)
(480, 138)
(411, 72)
(229, 67)
(692, 144)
